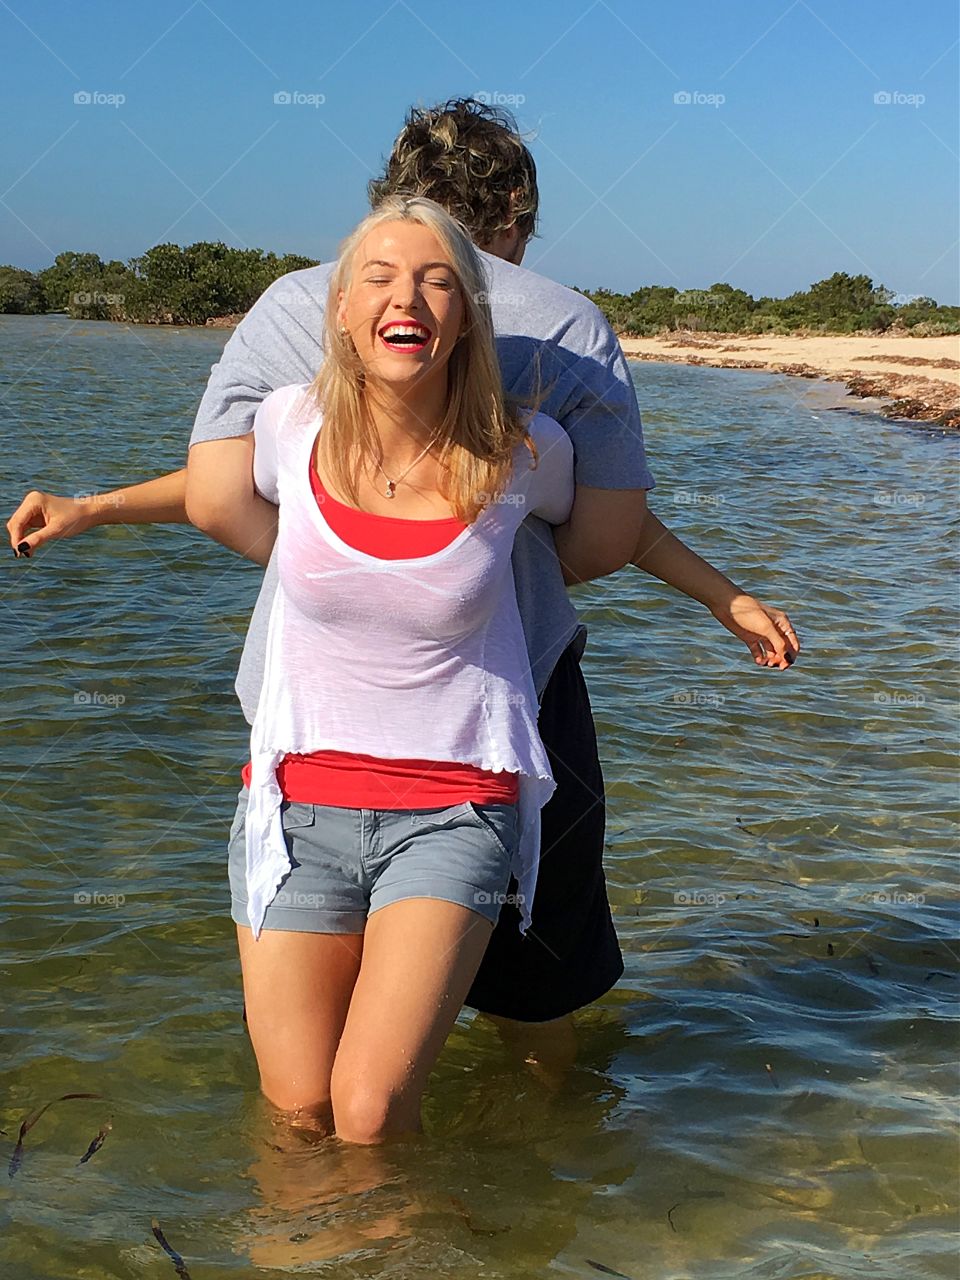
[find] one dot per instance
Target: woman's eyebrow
(380, 262)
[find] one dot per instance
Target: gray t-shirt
(547, 335)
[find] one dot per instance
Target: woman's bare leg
(419, 958)
(297, 988)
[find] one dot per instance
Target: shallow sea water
(769, 1092)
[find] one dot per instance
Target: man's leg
(570, 955)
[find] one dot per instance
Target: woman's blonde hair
(481, 426)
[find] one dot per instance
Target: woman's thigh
(297, 988)
(419, 959)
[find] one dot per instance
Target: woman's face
(404, 308)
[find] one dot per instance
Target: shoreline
(903, 377)
(910, 378)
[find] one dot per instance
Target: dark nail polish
(790, 657)
(23, 549)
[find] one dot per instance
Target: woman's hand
(766, 632)
(42, 517)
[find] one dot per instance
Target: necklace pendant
(390, 490)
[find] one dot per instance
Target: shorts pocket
(501, 822)
(295, 815)
(236, 826)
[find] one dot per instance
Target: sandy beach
(915, 377)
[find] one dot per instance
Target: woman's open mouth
(407, 337)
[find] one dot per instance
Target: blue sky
(781, 170)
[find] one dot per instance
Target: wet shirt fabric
(547, 336)
(364, 782)
(422, 658)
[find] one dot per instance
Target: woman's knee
(298, 1109)
(367, 1113)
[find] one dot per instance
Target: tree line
(840, 304)
(174, 284)
(169, 284)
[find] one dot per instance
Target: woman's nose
(406, 295)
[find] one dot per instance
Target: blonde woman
(396, 773)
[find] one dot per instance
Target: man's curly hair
(469, 158)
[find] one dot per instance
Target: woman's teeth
(405, 336)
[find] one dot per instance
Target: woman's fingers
(772, 640)
(785, 627)
(26, 517)
(41, 517)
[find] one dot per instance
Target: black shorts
(570, 954)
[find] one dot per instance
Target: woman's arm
(220, 472)
(44, 517)
(766, 632)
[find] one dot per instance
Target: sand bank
(914, 377)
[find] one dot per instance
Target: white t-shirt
(399, 659)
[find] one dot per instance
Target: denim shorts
(348, 863)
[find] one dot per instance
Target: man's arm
(221, 499)
(277, 344)
(603, 420)
(602, 533)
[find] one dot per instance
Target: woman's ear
(341, 323)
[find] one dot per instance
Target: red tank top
(352, 781)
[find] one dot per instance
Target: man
(470, 159)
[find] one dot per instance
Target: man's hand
(42, 517)
(766, 632)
